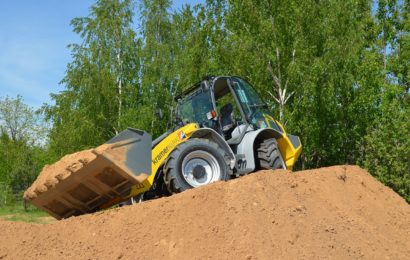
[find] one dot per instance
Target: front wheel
(269, 156)
(194, 163)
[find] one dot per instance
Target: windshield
(251, 103)
(245, 92)
(255, 109)
(194, 108)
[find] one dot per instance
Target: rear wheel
(269, 156)
(194, 163)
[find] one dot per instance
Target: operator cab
(228, 105)
(229, 113)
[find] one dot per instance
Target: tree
(190, 46)
(22, 147)
(157, 82)
(400, 56)
(101, 83)
(386, 149)
(20, 122)
(385, 145)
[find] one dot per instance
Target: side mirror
(158, 113)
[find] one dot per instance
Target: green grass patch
(17, 213)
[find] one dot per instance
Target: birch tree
(281, 94)
(101, 82)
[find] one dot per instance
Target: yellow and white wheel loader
(222, 130)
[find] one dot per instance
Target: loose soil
(59, 171)
(339, 212)
(84, 181)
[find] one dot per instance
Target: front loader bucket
(82, 182)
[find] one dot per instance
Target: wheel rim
(200, 168)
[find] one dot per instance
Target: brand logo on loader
(160, 155)
(181, 135)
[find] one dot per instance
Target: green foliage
(101, 82)
(157, 81)
(386, 147)
(20, 122)
(22, 151)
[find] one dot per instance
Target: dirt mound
(335, 212)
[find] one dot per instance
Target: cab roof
(219, 83)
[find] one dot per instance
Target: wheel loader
(222, 130)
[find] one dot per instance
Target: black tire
(173, 174)
(269, 156)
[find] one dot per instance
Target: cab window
(194, 108)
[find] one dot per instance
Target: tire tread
(268, 155)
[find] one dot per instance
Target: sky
(33, 45)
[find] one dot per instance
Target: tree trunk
(280, 97)
(25, 205)
(119, 105)
(119, 93)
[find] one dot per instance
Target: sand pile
(336, 212)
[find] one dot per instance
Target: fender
(160, 153)
(289, 147)
(211, 134)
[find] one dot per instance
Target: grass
(16, 212)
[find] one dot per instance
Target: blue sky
(33, 45)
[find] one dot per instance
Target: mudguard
(211, 134)
(289, 147)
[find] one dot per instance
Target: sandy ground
(339, 212)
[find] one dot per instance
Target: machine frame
(242, 159)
